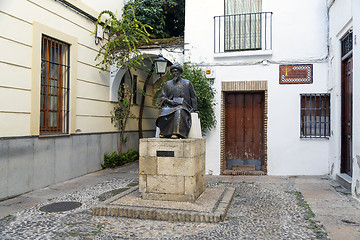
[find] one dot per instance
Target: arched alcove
(115, 79)
(117, 74)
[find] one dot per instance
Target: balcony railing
(243, 32)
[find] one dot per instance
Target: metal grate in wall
(315, 116)
(55, 87)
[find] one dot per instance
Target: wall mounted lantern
(160, 64)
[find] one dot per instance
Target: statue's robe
(178, 100)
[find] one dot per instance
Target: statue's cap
(177, 66)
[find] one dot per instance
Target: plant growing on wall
(122, 112)
(124, 36)
(121, 50)
(205, 94)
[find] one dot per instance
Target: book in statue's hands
(178, 100)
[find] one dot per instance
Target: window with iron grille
(315, 116)
(243, 27)
(54, 99)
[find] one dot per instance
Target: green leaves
(156, 14)
(124, 36)
(123, 106)
(115, 159)
(205, 94)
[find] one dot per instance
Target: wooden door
(244, 130)
(346, 115)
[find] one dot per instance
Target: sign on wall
(302, 73)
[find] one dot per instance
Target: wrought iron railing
(243, 32)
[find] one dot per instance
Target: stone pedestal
(171, 169)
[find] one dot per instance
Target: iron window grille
(315, 116)
(55, 87)
(243, 32)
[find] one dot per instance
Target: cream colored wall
(38, 30)
(15, 73)
(21, 24)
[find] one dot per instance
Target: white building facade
(343, 82)
(276, 66)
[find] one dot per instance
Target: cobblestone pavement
(259, 210)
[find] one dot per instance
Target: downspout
(77, 10)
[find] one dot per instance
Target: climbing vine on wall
(124, 35)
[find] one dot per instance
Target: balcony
(243, 32)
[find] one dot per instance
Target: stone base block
(172, 169)
(211, 207)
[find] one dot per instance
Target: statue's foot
(174, 136)
(161, 136)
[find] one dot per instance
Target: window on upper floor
(244, 27)
(315, 116)
(54, 95)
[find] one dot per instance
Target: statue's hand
(171, 102)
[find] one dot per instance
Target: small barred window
(315, 116)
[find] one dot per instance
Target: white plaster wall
(288, 154)
(114, 6)
(344, 15)
(296, 39)
(199, 32)
(340, 21)
(356, 79)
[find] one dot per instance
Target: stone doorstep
(107, 208)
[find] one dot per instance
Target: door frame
(346, 148)
(241, 86)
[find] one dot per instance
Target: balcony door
(242, 25)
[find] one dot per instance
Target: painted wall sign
(296, 74)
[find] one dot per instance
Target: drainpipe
(77, 10)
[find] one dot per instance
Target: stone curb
(151, 213)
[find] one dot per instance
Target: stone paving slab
(211, 206)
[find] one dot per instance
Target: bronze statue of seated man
(177, 101)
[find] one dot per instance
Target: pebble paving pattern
(258, 211)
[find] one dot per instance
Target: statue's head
(176, 66)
